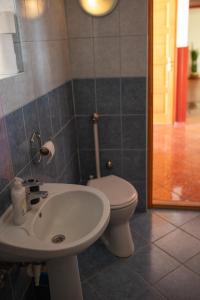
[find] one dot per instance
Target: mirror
(98, 8)
(10, 46)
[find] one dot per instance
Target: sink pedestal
(64, 279)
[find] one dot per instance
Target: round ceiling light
(98, 8)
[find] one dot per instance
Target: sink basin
(80, 219)
(56, 230)
(67, 222)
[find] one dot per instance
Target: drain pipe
(95, 119)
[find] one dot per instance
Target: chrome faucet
(33, 193)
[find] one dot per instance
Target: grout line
(156, 240)
(167, 274)
(99, 37)
(73, 93)
(175, 258)
(121, 109)
(99, 271)
(190, 269)
(190, 234)
(178, 226)
(113, 115)
(113, 149)
(76, 132)
(95, 291)
(161, 293)
(94, 67)
(63, 127)
(69, 162)
(191, 220)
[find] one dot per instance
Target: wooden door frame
(150, 119)
(150, 107)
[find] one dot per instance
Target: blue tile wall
(110, 132)
(85, 132)
(121, 104)
(16, 282)
(17, 140)
(108, 95)
(133, 95)
(31, 118)
(53, 115)
(134, 164)
(87, 164)
(66, 103)
(116, 157)
(6, 169)
(44, 118)
(84, 94)
(134, 131)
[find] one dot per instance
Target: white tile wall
(133, 56)
(82, 57)
(79, 23)
(108, 25)
(133, 17)
(126, 23)
(107, 57)
(45, 51)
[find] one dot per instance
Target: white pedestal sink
(56, 230)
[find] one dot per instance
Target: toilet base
(118, 240)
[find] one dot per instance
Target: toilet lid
(119, 191)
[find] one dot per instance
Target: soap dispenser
(18, 198)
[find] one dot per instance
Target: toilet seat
(119, 191)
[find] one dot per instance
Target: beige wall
(110, 46)
(194, 37)
(45, 53)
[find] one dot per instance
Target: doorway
(174, 177)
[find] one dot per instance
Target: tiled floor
(176, 168)
(166, 264)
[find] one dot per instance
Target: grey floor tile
(151, 294)
(177, 217)
(194, 263)
(150, 226)
(139, 242)
(193, 227)
(182, 284)
(152, 263)
(94, 259)
(119, 282)
(89, 293)
(180, 245)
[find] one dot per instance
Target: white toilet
(123, 200)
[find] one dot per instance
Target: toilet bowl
(123, 199)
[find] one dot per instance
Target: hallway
(193, 100)
(176, 168)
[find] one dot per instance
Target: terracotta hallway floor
(176, 170)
